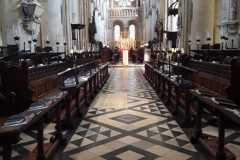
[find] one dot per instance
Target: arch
(132, 22)
(117, 27)
(118, 22)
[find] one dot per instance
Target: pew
(172, 83)
(213, 88)
(217, 55)
(223, 105)
(55, 96)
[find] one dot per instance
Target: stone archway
(137, 30)
(133, 23)
(115, 23)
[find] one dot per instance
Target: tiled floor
(127, 121)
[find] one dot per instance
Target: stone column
(201, 20)
(52, 23)
(81, 21)
(229, 22)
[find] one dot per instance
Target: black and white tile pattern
(143, 127)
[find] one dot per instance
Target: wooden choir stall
(201, 86)
(37, 89)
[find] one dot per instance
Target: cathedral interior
(119, 80)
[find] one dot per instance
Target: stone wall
(230, 21)
(54, 25)
(11, 23)
(210, 18)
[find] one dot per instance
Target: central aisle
(128, 121)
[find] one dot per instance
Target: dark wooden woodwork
(213, 87)
(218, 55)
(51, 98)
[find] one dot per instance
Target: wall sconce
(35, 44)
(189, 44)
(57, 43)
(198, 43)
(16, 39)
(47, 42)
(209, 41)
(224, 39)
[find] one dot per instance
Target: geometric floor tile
(128, 118)
(169, 133)
(145, 94)
(130, 152)
(128, 121)
(134, 149)
(146, 120)
(89, 133)
(138, 101)
(93, 111)
(27, 142)
(154, 108)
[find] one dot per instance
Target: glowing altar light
(125, 57)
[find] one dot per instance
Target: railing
(124, 12)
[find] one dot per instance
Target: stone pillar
(67, 24)
(229, 22)
(81, 21)
(201, 20)
(52, 27)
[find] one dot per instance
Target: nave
(128, 121)
(119, 79)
